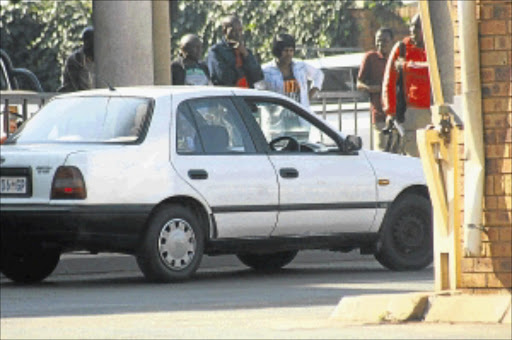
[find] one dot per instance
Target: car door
(214, 153)
(321, 190)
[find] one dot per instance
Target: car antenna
(110, 87)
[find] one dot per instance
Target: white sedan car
(169, 174)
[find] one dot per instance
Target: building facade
(492, 271)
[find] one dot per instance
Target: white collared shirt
(302, 72)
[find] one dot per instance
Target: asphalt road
(223, 300)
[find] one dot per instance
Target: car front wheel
(29, 263)
(173, 245)
(406, 235)
(267, 262)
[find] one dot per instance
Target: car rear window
(87, 119)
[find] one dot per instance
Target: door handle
(288, 173)
(197, 174)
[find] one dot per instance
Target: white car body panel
(401, 171)
(233, 182)
(151, 172)
(325, 179)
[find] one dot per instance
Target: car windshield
(87, 119)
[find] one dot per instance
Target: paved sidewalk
(273, 323)
(429, 307)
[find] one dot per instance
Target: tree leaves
(40, 35)
(313, 23)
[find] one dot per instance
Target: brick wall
(492, 272)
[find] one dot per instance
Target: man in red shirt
(370, 78)
(416, 83)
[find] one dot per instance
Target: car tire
(405, 241)
(267, 262)
(173, 245)
(29, 264)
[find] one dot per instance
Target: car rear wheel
(29, 263)
(267, 262)
(406, 235)
(173, 245)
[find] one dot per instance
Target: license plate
(13, 185)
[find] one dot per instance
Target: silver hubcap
(177, 244)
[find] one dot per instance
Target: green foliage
(383, 10)
(315, 24)
(40, 35)
(383, 4)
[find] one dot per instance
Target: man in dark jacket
(229, 61)
(79, 68)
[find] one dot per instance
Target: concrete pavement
(259, 323)
(429, 307)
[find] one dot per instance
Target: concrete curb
(469, 308)
(381, 308)
(429, 307)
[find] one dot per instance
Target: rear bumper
(91, 227)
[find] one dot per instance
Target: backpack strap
(401, 49)
(401, 103)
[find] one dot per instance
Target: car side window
(212, 126)
(187, 138)
(286, 130)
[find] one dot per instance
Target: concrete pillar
(132, 40)
(442, 31)
(161, 43)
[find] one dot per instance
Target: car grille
(16, 182)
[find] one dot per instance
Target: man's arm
(361, 86)
(72, 70)
(252, 68)
(317, 79)
(364, 76)
(389, 82)
(177, 74)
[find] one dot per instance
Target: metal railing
(353, 99)
(29, 101)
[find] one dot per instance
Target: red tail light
(68, 183)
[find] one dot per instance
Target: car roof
(156, 91)
(349, 60)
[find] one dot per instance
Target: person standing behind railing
(15, 121)
(188, 69)
(230, 62)
(408, 58)
(369, 79)
(288, 76)
(79, 68)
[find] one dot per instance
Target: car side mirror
(353, 143)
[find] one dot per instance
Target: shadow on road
(208, 290)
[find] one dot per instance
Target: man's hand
(313, 92)
(242, 49)
(389, 120)
(361, 86)
(399, 64)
